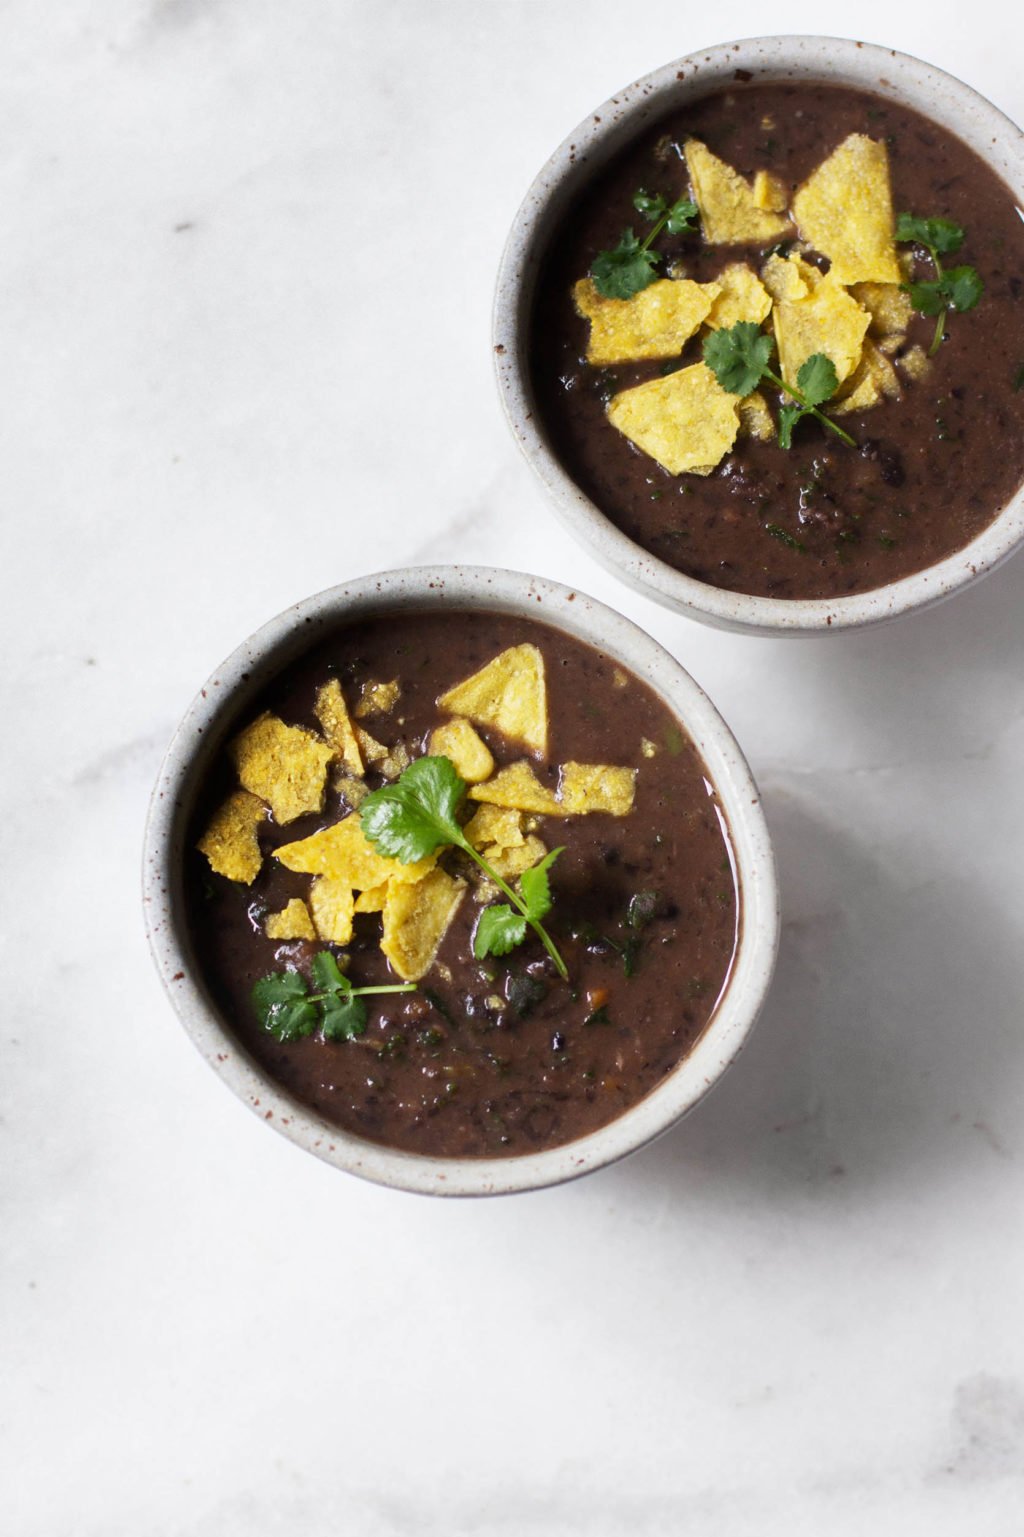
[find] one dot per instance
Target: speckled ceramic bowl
(224, 701)
(587, 149)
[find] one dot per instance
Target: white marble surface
(798, 1313)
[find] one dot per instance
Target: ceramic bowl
(225, 700)
(608, 129)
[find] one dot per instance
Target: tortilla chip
(585, 787)
(372, 901)
(728, 211)
(828, 320)
(470, 754)
(333, 902)
(770, 193)
(512, 862)
(743, 297)
(888, 305)
(871, 382)
(891, 344)
(496, 825)
(509, 694)
(789, 277)
(396, 762)
(292, 922)
(755, 418)
(332, 713)
(844, 210)
(518, 787)
(352, 789)
(916, 363)
(655, 323)
(342, 852)
(230, 842)
(416, 918)
(372, 750)
(377, 698)
(685, 421)
(283, 765)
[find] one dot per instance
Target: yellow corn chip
(887, 304)
(470, 754)
(230, 842)
(728, 211)
(755, 418)
(770, 193)
(342, 852)
(354, 790)
(372, 901)
(655, 323)
(396, 762)
(916, 363)
(416, 918)
(789, 277)
(510, 694)
(377, 698)
(686, 421)
(499, 825)
(518, 787)
(512, 862)
(844, 210)
(587, 787)
(893, 343)
(332, 902)
(372, 750)
(872, 380)
(827, 320)
(332, 713)
(283, 765)
(743, 297)
(293, 922)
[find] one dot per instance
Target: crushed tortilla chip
(230, 842)
(789, 277)
(729, 213)
(283, 765)
(755, 418)
(372, 901)
(344, 853)
(333, 902)
(647, 747)
(510, 694)
(416, 918)
(891, 344)
(828, 320)
(871, 382)
(770, 193)
(372, 750)
(888, 305)
(743, 297)
(915, 363)
(587, 787)
(377, 698)
(518, 787)
(499, 825)
(353, 790)
(396, 762)
(292, 922)
(686, 421)
(655, 323)
(332, 713)
(470, 754)
(844, 210)
(512, 862)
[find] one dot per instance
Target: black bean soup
(499, 1057)
(931, 469)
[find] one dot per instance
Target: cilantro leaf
(817, 379)
(411, 818)
(327, 976)
(738, 356)
(940, 236)
(789, 415)
(681, 217)
(964, 287)
(498, 931)
(534, 885)
(927, 298)
(958, 289)
(626, 269)
(282, 1005)
(649, 207)
(344, 1016)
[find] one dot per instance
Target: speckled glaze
(898, 76)
(223, 702)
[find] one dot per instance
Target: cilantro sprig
(286, 1008)
(631, 266)
(739, 358)
(417, 814)
(955, 288)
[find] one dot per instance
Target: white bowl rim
(841, 61)
(225, 697)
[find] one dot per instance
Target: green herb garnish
(286, 1008)
(501, 928)
(631, 266)
(410, 819)
(739, 357)
(957, 289)
(779, 533)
